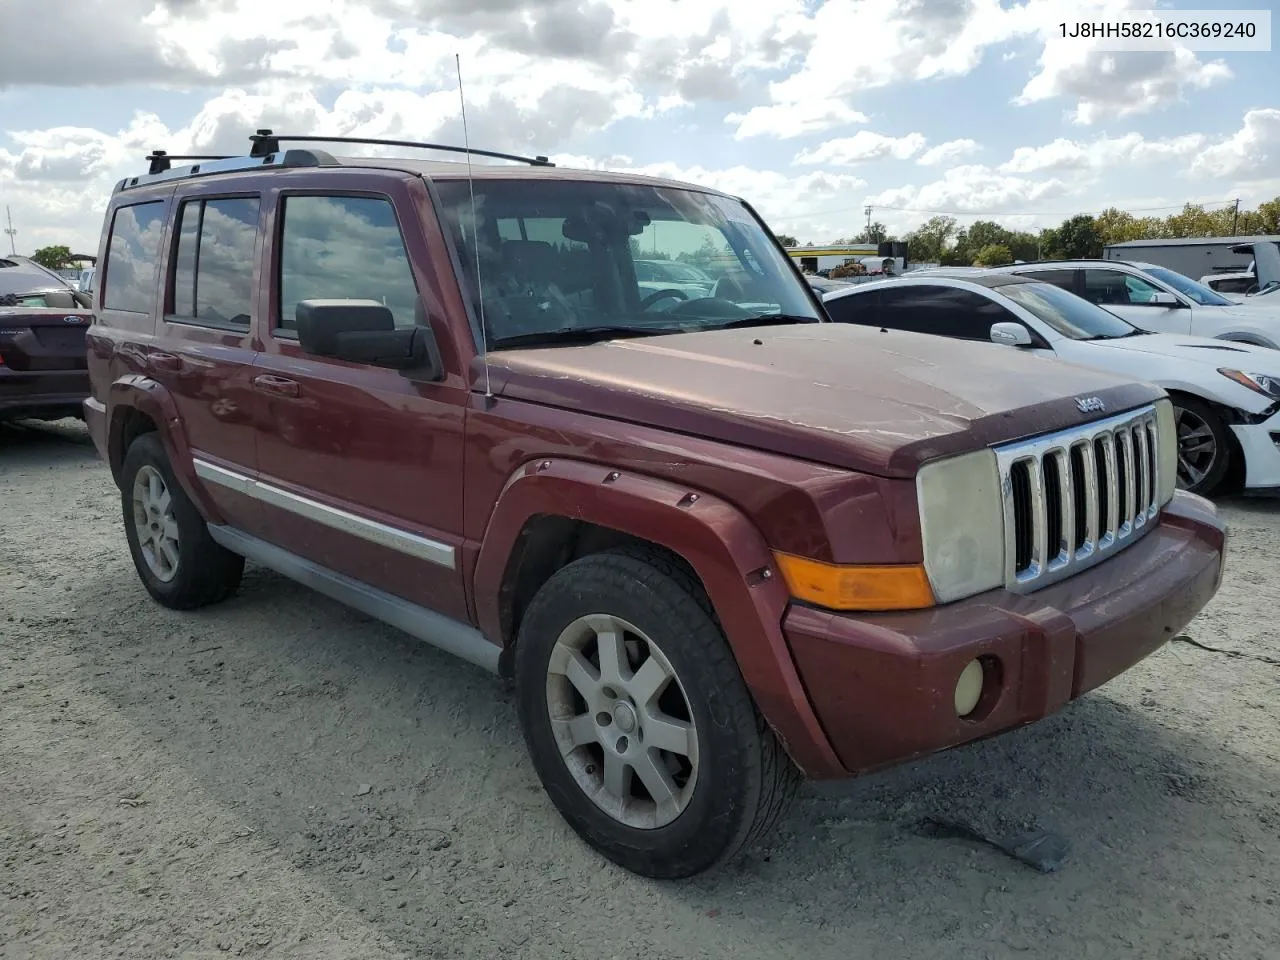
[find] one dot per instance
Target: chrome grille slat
(1091, 532)
(1124, 439)
(1111, 471)
(1108, 469)
(1039, 520)
(1144, 473)
(1067, 501)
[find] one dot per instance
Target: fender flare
(718, 541)
(136, 391)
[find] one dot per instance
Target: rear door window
(1115, 288)
(857, 308)
(941, 311)
(213, 274)
(133, 254)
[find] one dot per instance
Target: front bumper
(1261, 452)
(883, 685)
(50, 394)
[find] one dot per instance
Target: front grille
(1075, 497)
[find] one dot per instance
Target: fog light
(969, 689)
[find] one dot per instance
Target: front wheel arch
(719, 543)
(1253, 339)
(1232, 472)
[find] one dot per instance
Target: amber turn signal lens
(838, 587)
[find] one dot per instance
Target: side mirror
(1010, 334)
(364, 331)
(1162, 299)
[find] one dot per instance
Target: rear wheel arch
(127, 424)
(138, 405)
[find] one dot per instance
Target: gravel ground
(281, 777)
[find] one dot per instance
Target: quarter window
(132, 256)
(344, 248)
(213, 276)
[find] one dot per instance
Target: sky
(809, 109)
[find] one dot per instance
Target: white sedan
(1161, 300)
(1226, 395)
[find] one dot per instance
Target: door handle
(281, 386)
(164, 361)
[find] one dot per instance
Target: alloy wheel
(155, 523)
(622, 721)
(1197, 448)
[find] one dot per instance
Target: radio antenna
(475, 232)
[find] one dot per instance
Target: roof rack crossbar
(265, 142)
(161, 161)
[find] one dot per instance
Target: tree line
(941, 239)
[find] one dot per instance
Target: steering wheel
(668, 294)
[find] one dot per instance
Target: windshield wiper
(571, 335)
(765, 320)
(1135, 332)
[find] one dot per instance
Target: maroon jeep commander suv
(717, 541)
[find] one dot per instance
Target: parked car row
(1226, 395)
(718, 542)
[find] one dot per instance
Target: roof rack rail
(161, 170)
(160, 160)
(265, 143)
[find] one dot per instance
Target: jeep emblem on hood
(1090, 404)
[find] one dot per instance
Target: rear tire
(179, 563)
(666, 784)
(1205, 446)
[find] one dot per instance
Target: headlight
(1167, 440)
(1262, 383)
(962, 524)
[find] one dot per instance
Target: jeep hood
(839, 394)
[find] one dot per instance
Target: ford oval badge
(71, 319)
(1090, 404)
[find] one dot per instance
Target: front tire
(1204, 446)
(179, 563)
(638, 721)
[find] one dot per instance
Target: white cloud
(1253, 152)
(1102, 154)
(973, 190)
(948, 152)
(862, 147)
(812, 205)
(1109, 85)
(790, 120)
(561, 75)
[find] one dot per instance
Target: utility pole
(13, 247)
(1235, 218)
(867, 232)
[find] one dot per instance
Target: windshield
(1072, 316)
(673, 271)
(560, 259)
(1189, 288)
